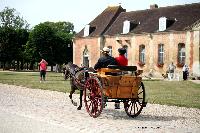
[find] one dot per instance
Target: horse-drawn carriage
(112, 84)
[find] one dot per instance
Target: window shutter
(162, 23)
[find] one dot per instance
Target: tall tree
(9, 17)
(64, 34)
(50, 41)
(13, 35)
(21, 40)
(7, 45)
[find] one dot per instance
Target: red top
(122, 60)
(43, 65)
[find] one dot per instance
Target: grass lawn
(54, 81)
(179, 93)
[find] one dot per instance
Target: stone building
(153, 37)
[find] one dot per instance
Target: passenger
(121, 61)
(106, 60)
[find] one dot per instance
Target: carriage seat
(115, 70)
(123, 68)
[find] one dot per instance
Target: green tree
(41, 40)
(13, 35)
(7, 45)
(9, 17)
(50, 41)
(21, 40)
(64, 34)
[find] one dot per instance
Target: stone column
(171, 56)
(133, 51)
(196, 54)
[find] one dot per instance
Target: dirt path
(55, 108)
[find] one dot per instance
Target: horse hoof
(79, 108)
(70, 96)
(74, 103)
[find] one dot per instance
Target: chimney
(154, 6)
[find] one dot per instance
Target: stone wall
(150, 41)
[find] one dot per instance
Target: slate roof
(103, 21)
(110, 22)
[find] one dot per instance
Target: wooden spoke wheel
(93, 97)
(133, 107)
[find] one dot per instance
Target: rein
(73, 70)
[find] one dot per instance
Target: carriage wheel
(133, 107)
(93, 97)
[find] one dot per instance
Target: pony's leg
(70, 95)
(81, 95)
(71, 92)
(73, 88)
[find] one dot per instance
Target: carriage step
(117, 105)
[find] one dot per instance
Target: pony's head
(70, 69)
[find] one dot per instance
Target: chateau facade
(153, 38)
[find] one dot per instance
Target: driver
(106, 60)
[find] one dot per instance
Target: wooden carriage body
(117, 85)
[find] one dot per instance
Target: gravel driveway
(55, 111)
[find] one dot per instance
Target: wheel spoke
(94, 100)
(133, 107)
(89, 100)
(90, 104)
(140, 92)
(95, 107)
(136, 106)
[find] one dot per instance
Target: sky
(78, 12)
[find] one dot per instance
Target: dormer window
(164, 23)
(88, 30)
(129, 25)
(126, 26)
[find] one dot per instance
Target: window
(110, 53)
(181, 54)
(86, 30)
(141, 55)
(126, 27)
(129, 25)
(164, 23)
(86, 57)
(160, 54)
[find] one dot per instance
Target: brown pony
(78, 76)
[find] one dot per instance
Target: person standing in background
(171, 70)
(185, 72)
(43, 67)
